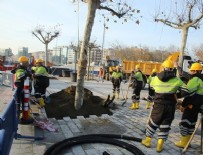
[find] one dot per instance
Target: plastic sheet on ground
(45, 124)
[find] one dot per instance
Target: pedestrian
(100, 75)
(41, 81)
(137, 87)
(21, 73)
(191, 105)
(165, 85)
(150, 97)
(116, 78)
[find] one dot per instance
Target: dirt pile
(62, 104)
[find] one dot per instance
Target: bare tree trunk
(183, 44)
(46, 54)
(82, 63)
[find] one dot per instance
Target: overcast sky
(20, 17)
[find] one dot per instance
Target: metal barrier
(9, 126)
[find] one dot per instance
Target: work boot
(183, 141)
(137, 105)
(41, 102)
(159, 146)
(133, 106)
(148, 105)
(147, 142)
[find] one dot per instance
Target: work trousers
(116, 85)
(40, 85)
(189, 117)
(161, 117)
(136, 92)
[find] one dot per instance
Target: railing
(8, 127)
(9, 119)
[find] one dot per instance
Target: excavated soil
(61, 104)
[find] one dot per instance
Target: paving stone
(91, 152)
(132, 121)
(78, 150)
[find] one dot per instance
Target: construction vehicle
(183, 70)
(109, 65)
(145, 66)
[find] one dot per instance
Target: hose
(95, 138)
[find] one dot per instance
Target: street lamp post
(103, 40)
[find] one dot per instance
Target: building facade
(96, 56)
(7, 53)
(23, 51)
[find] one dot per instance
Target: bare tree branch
(45, 38)
(196, 20)
(187, 17)
(169, 23)
(37, 37)
(113, 11)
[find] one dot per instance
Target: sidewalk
(123, 121)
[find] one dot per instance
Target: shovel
(126, 96)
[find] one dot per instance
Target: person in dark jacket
(21, 73)
(191, 105)
(137, 87)
(165, 85)
(41, 81)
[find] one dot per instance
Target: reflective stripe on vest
(169, 87)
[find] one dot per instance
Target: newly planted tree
(117, 8)
(45, 36)
(182, 15)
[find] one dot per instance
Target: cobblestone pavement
(123, 121)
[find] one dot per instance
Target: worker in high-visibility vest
(137, 85)
(191, 104)
(41, 81)
(116, 78)
(165, 85)
(21, 73)
(151, 93)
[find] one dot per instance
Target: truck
(145, 66)
(109, 65)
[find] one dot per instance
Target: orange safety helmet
(196, 66)
(168, 64)
(39, 60)
(23, 59)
